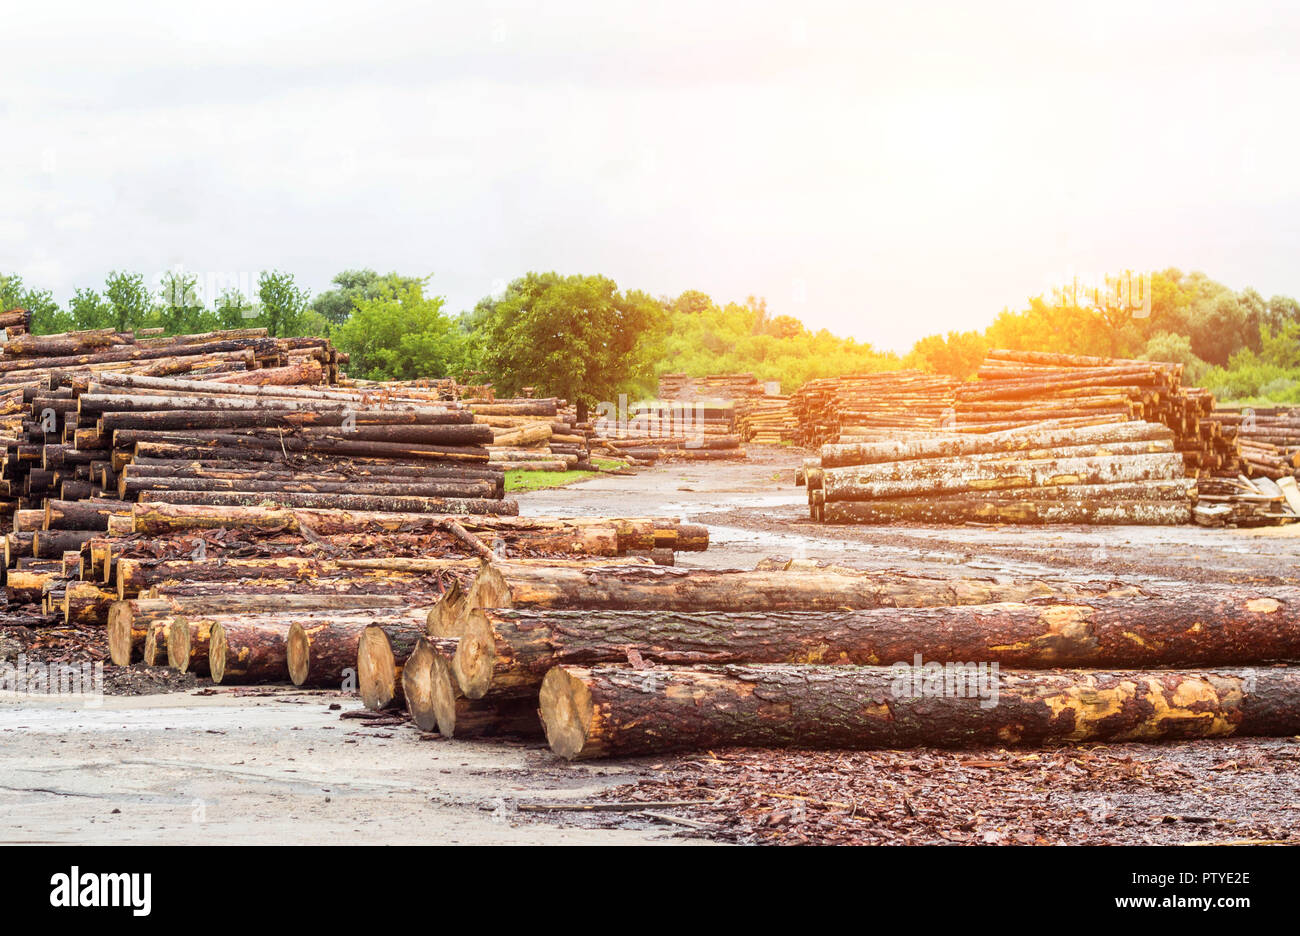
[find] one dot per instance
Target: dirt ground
(186, 763)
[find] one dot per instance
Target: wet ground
(274, 764)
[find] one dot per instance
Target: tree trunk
(248, 652)
(321, 648)
(507, 652)
(617, 711)
(512, 584)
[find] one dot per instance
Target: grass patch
(517, 480)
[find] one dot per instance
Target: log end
(217, 650)
(566, 709)
(120, 638)
(297, 648)
(444, 694)
(376, 668)
(178, 645)
(445, 616)
(475, 656)
(417, 685)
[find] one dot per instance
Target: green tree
(401, 334)
(47, 317)
(235, 310)
(335, 305)
(284, 306)
(129, 299)
(576, 337)
(180, 311)
(88, 309)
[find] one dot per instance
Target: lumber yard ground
(166, 759)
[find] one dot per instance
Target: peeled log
(615, 711)
(1008, 510)
(1012, 440)
(905, 479)
(507, 652)
(381, 654)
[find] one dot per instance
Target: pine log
(508, 651)
(618, 711)
(247, 651)
(1009, 510)
(322, 650)
(128, 619)
(381, 654)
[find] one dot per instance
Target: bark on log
(508, 651)
(614, 711)
(129, 619)
(322, 648)
(243, 652)
(512, 585)
(363, 502)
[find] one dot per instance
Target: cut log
(127, 619)
(188, 644)
(382, 652)
(511, 585)
(322, 649)
(507, 652)
(247, 652)
(616, 711)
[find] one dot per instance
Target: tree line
(583, 338)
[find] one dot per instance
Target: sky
(885, 171)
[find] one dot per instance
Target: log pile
(639, 660)
(1020, 388)
(870, 407)
(1103, 474)
(767, 421)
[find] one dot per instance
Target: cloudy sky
(882, 170)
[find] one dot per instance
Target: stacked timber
(767, 421)
(636, 660)
(1103, 474)
(680, 388)
(1019, 388)
(1268, 439)
(532, 434)
(869, 407)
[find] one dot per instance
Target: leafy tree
(958, 355)
(335, 305)
(180, 310)
(47, 317)
(235, 310)
(284, 306)
(88, 309)
(401, 334)
(576, 337)
(129, 299)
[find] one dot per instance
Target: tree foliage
(400, 334)
(576, 337)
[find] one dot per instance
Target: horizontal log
(615, 711)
